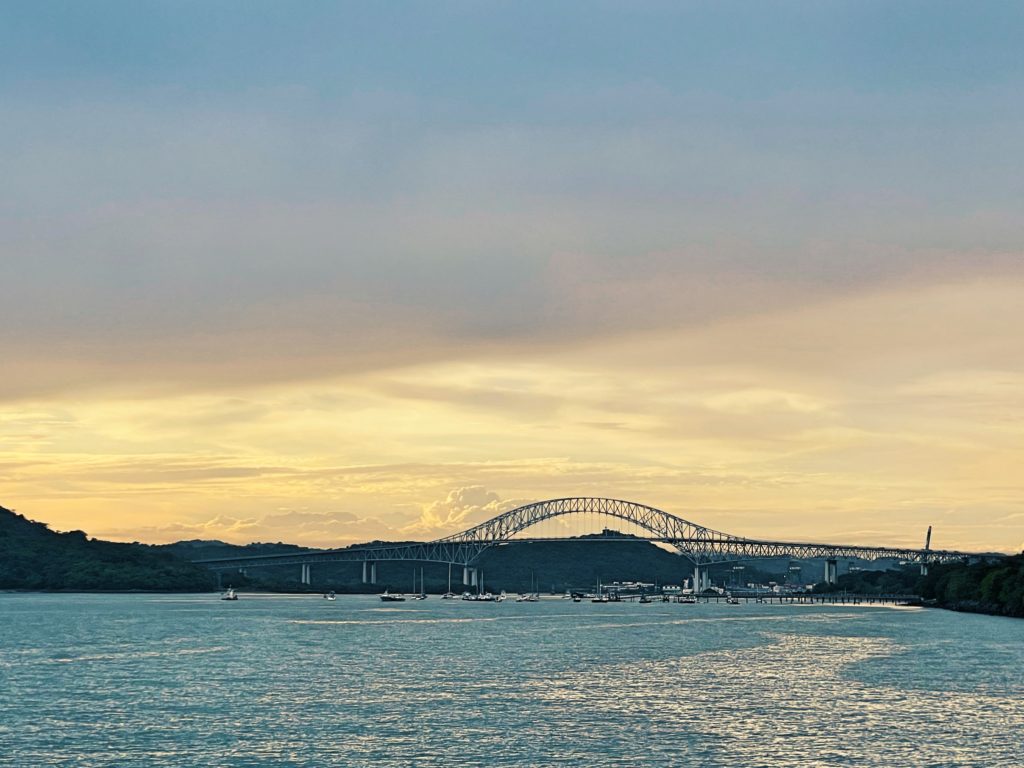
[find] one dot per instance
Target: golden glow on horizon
(860, 419)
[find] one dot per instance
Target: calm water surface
(140, 680)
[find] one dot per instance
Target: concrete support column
(465, 575)
(366, 571)
(924, 569)
(305, 577)
(698, 578)
(373, 573)
(472, 577)
(831, 572)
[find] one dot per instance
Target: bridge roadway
(697, 543)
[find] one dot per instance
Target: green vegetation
(995, 586)
(514, 567)
(34, 557)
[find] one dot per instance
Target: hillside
(515, 567)
(34, 557)
(995, 586)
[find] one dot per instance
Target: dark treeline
(34, 557)
(995, 586)
(514, 567)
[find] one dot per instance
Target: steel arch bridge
(695, 542)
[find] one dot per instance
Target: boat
(688, 599)
(449, 595)
(422, 594)
(229, 595)
(645, 599)
(501, 597)
(577, 599)
(390, 597)
(567, 595)
(330, 596)
(732, 600)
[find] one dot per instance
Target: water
(139, 680)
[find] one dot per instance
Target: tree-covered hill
(994, 586)
(34, 557)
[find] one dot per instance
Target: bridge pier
(924, 569)
(831, 571)
(369, 572)
(465, 575)
(306, 578)
(701, 579)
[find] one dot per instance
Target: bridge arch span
(695, 542)
(683, 534)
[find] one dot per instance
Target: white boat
(567, 595)
(229, 595)
(500, 598)
(422, 594)
(449, 595)
(330, 596)
(688, 599)
(389, 597)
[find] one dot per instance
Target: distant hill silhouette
(34, 557)
(547, 566)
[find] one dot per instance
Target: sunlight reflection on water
(122, 680)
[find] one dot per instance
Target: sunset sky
(330, 272)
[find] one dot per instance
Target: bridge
(700, 545)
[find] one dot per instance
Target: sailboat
(229, 595)
(422, 594)
(534, 596)
(330, 596)
(481, 596)
(600, 596)
(449, 595)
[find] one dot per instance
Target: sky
(334, 272)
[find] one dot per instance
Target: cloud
(460, 509)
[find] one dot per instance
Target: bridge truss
(695, 542)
